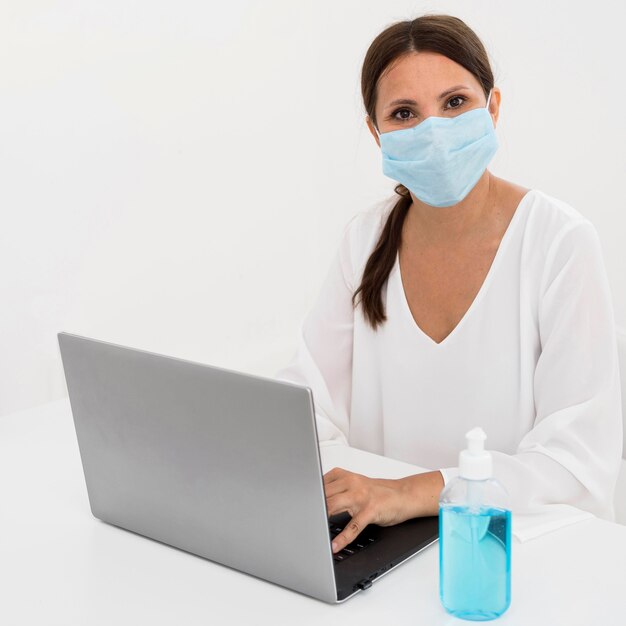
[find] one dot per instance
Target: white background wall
(175, 175)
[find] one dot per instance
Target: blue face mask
(441, 159)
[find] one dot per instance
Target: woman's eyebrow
(440, 97)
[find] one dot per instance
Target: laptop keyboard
(363, 540)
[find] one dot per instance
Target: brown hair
(447, 35)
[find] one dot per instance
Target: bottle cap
(475, 463)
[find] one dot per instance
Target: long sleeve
(573, 452)
(323, 358)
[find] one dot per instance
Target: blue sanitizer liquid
(475, 561)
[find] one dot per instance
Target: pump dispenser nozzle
(475, 462)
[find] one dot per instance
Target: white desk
(61, 566)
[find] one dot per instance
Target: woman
(463, 300)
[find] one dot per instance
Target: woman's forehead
(422, 75)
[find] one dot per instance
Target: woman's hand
(381, 501)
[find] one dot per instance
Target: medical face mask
(441, 158)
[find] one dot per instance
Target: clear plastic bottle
(475, 537)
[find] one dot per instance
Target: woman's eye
(461, 98)
(401, 118)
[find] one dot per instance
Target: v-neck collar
(483, 288)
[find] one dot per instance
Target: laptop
(222, 464)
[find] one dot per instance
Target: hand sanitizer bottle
(475, 537)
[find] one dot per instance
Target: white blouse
(533, 362)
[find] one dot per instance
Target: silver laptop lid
(216, 462)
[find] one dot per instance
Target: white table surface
(61, 566)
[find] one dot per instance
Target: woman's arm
(323, 359)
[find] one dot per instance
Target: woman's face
(423, 84)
